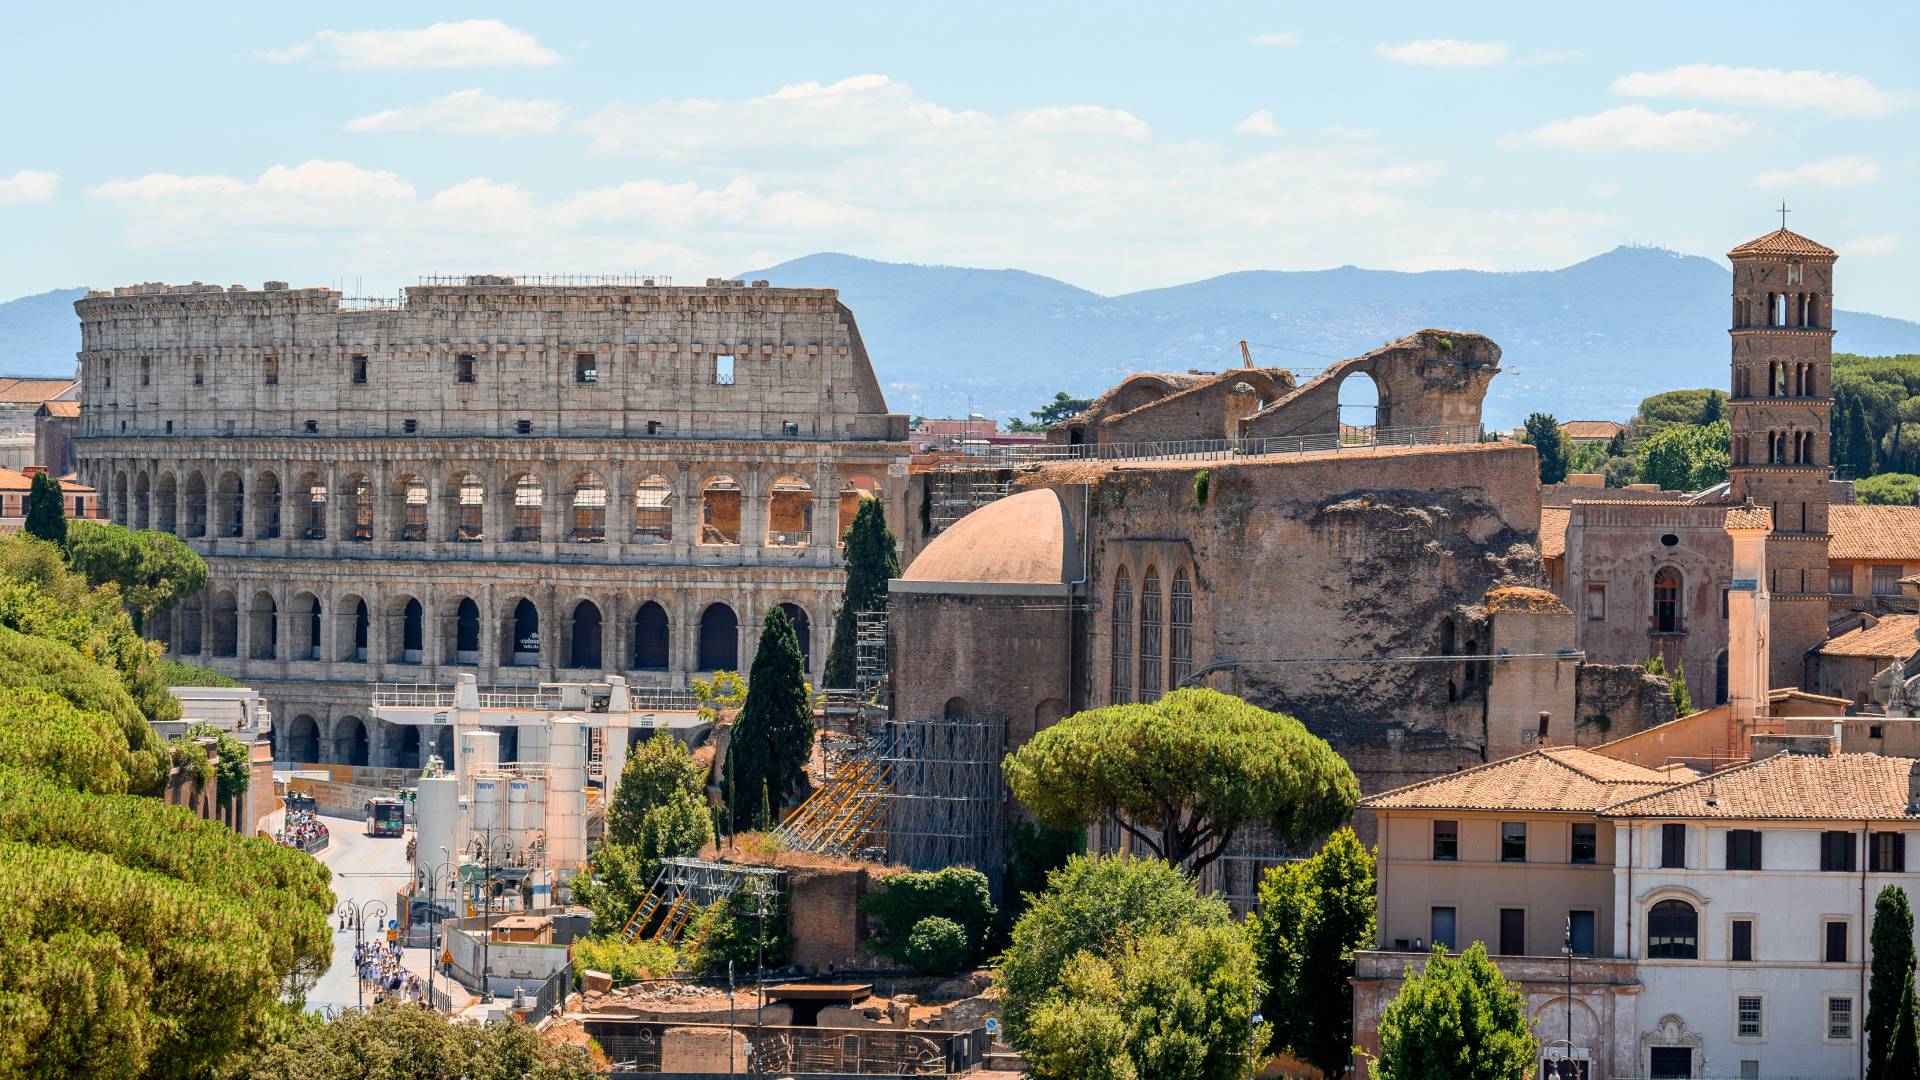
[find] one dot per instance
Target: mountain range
(1587, 341)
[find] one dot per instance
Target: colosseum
(530, 482)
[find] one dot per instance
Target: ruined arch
(584, 638)
(263, 627)
(460, 621)
(520, 637)
(266, 505)
(652, 638)
(360, 507)
(196, 522)
(410, 498)
(231, 504)
(313, 495)
(720, 507)
(300, 742)
(166, 498)
(466, 508)
(349, 741)
(306, 626)
(353, 625)
(854, 490)
(529, 503)
(223, 624)
(652, 511)
(718, 647)
(1365, 406)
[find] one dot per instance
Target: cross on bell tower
(1783, 213)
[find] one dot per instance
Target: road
(364, 869)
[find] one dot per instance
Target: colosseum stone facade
(527, 482)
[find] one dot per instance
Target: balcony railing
(1216, 449)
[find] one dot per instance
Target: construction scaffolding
(959, 490)
(946, 800)
(843, 815)
(869, 651)
(687, 887)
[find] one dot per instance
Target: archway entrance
(1363, 408)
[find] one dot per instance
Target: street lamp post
(434, 872)
(488, 848)
(357, 916)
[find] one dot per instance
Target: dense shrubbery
(624, 960)
(175, 673)
(731, 931)
(957, 895)
(937, 946)
(397, 1042)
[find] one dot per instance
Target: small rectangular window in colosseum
(723, 371)
(790, 429)
(313, 427)
(409, 426)
(360, 370)
(199, 371)
(106, 373)
(523, 427)
(463, 367)
(146, 371)
(271, 370)
(586, 369)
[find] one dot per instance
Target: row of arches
(1798, 310)
(315, 506)
(1777, 448)
(1163, 628)
(351, 740)
(212, 626)
(1781, 379)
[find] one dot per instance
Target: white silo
(478, 749)
(517, 811)
(437, 809)
(566, 795)
(487, 805)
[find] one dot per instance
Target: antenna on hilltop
(1783, 214)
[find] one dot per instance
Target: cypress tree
(871, 562)
(773, 736)
(1860, 441)
(46, 509)
(1903, 1057)
(1543, 432)
(1891, 978)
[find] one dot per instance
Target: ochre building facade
(527, 482)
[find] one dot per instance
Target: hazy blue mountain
(1585, 341)
(1588, 340)
(39, 334)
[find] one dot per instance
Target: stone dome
(1023, 539)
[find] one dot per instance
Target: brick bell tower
(1782, 394)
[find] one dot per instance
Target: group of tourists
(300, 829)
(380, 968)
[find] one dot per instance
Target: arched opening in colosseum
(522, 636)
(853, 491)
(589, 525)
(719, 644)
(142, 502)
(349, 741)
(403, 748)
(159, 626)
(232, 503)
(406, 629)
(362, 631)
(1363, 407)
(313, 489)
(188, 621)
(360, 500)
(653, 511)
(469, 508)
(790, 513)
(957, 711)
(263, 627)
(196, 505)
(528, 502)
(584, 644)
(803, 630)
(460, 633)
(166, 500)
(307, 626)
(720, 511)
(410, 509)
(651, 640)
(266, 506)
(347, 613)
(223, 625)
(301, 741)
(120, 513)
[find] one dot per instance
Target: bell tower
(1778, 411)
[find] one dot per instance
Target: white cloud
(1550, 56)
(1082, 191)
(1831, 92)
(28, 186)
(1260, 122)
(1871, 245)
(1349, 134)
(1445, 52)
(468, 112)
(1606, 189)
(1636, 127)
(1851, 170)
(469, 43)
(1279, 38)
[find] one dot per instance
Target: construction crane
(1246, 357)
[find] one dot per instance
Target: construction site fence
(1223, 449)
(635, 1049)
(551, 995)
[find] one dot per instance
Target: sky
(1115, 147)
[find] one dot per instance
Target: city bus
(386, 817)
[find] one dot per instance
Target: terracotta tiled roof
(1801, 787)
(1565, 778)
(1750, 517)
(1553, 531)
(1592, 429)
(61, 408)
(14, 481)
(1782, 242)
(32, 391)
(1874, 532)
(1892, 637)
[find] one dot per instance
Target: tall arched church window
(1150, 636)
(1180, 631)
(1121, 690)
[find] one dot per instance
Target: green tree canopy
(960, 894)
(1887, 489)
(1903, 1053)
(1092, 903)
(656, 770)
(396, 1042)
(1686, 457)
(1062, 407)
(1157, 1006)
(1676, 407)
(1550, 443)
(871, 562)
(658, 811)
(1458, 1017)
(155, 570)
(773, 736)
(1313, 915)
(46, 509)
(1183, 774)
(1891, 979)
(734, 930)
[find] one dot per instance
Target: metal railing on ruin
(636, 281)
(436, 696)
(1368, 438)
